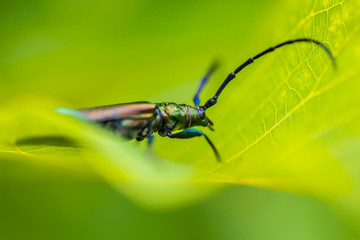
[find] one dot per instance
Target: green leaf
(45, 136)
(288, 122)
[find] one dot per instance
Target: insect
(140, 120)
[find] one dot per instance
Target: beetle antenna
(203, 81)
(212, 101)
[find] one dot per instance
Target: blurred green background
(87, 53)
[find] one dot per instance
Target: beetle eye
(201, 112)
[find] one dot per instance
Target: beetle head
(204, 120)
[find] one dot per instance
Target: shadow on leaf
(60, 141)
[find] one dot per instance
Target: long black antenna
(212, 101)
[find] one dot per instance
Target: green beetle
(139, 120)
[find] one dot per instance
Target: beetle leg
(204, 79)
(192, 132)
(150, 140)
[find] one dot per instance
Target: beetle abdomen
(130, 128)
(134, 110)
(131, 120)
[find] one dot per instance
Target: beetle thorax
(181, 116)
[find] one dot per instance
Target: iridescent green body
(181, 116)
(139, 120)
